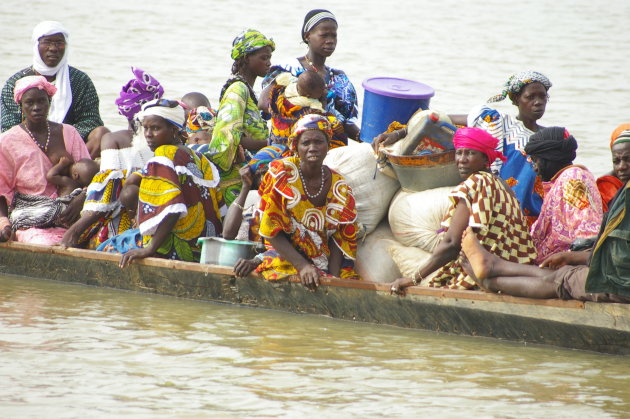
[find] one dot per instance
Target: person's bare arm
(234, 217)
(5, 224)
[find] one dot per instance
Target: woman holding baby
(27, 153)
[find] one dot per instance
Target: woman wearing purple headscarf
(123, 153)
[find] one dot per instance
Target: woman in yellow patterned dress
(178, 199)
(307, 211)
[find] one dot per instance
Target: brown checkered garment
(498, 221)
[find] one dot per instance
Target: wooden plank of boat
(573, 324)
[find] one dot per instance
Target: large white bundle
(374, 262)
(415, 217)
(409, 260)
(357, 165)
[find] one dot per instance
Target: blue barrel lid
(398, 88)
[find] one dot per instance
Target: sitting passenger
(293, 97)
(610, 183)
(27, 152)
(122, 153)
(68, 175)
(572, 205)
(307, 211)
(600, 275)
(482, 201)
(239, 121)
(178, 199)
(76, 100)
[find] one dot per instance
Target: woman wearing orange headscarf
(610, 183)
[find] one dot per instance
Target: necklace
(44, 147)
(321, 187)
(311, 63)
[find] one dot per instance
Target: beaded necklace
(44, 147)
(330, 72)
(321, 187)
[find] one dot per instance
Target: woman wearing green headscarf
(239, 121)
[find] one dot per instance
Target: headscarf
(620, 135)
(62, 100)
(517, 81)
(480, 140)
(138, 91)
(266, 155)
(313, 17)
(160, 107)
(30, 82)
(249, 41)
(201, 119)
(309, 122)
(553, 144)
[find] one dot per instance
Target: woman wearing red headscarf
(482, 201)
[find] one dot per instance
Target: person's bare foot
(479, 258)
(468, 269)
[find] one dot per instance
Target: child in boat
(293, 97)
(200, 119)
(68, 175)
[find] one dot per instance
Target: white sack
(374, 262)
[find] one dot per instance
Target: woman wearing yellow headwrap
(239, 121)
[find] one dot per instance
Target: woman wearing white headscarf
(76, 101)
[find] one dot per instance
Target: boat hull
(600, 327)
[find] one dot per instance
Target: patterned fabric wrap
(266, 155)
(138, 91)
(517, 81)
(176, 115)
(38, 211)
(83, 114)
(102, 197)
(572, 209)
(238, 115)
(517, 171)
(498, 222)
(179, 181)
(342, 96)
(608, 186)
(32, 82)
(249, 41)
(284, 207)
(284, 114)
(201, 119)
(620, 135)
(480, 140)
(309, 122)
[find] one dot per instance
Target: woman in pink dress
(572, 205)
(27, 152)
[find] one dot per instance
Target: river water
(72, 351)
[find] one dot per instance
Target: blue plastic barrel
(389, 99)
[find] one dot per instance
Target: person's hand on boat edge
(133, 254)
(399, 286)
(309, 275)
(244, 267)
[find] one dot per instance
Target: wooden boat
(572, 324)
